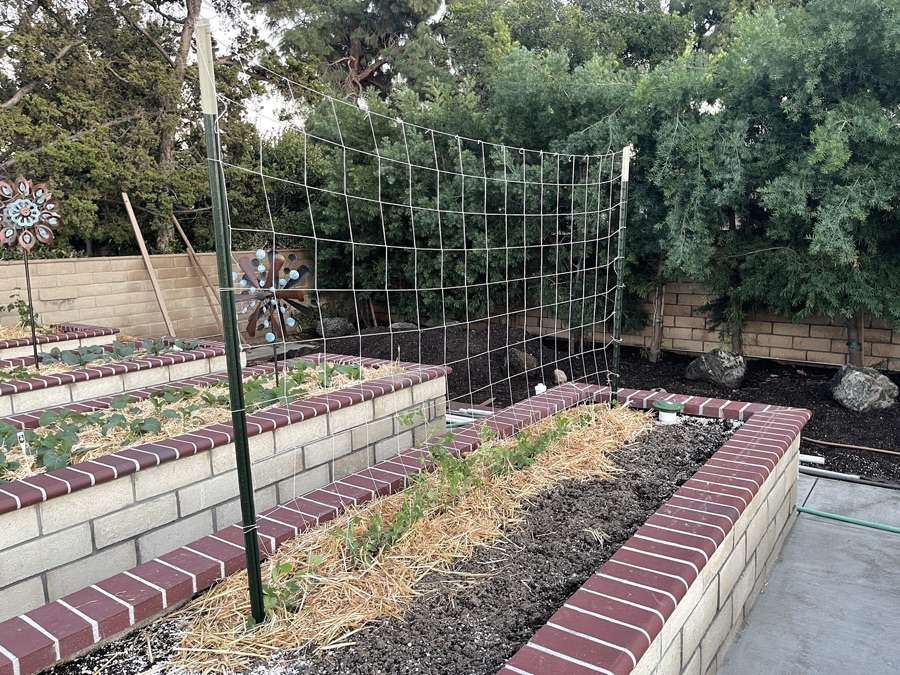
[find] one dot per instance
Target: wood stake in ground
(150, 271)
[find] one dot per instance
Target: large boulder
(334, 327)
(725, 369)
(518, 361)
(862, 389)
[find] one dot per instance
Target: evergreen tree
(100, 97)
(361, 45)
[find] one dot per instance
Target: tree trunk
(659, 308)
(737, 344)
(166, 149)
(855, 338)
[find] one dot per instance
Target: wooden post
(149, 264)
(659, 308)
(206, 283)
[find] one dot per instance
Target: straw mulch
(17, 332)
(52, 367)
(92, 443)
(336, 599)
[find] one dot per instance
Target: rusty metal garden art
(28, 215)
(267, 290)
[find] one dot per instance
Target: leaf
(48, 418)
(169, 414)
(71, 359)
(52, 461)
(116, 420)
(151, 425)
(120, 402)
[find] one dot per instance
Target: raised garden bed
(49, 390)
(78, 524)
(57, 437)
(64, 336)
(723, 525)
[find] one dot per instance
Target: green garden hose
(847, 519)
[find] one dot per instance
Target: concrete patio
(832, 603)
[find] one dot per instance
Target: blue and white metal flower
(28, 214)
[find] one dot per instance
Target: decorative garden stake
(267, 291)
(28, 215)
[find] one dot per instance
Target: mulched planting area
(766, 381)
(471, 620)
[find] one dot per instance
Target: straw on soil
(61, 367)
(94, 444)
(18, 332)
(338, 599)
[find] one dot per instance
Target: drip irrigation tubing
(847, 519)
(852, 447)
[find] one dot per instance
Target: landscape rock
(560, 377)
(518, 361)
(719, 367)
(403, 325)
(334, 327)
(862, 389)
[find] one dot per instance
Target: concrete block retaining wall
(72, 527)
(686, 328)
(704, 555)
(75, 288)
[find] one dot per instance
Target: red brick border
(205, 349)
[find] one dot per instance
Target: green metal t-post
(619, 267)
(229, 320)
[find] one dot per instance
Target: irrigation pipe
(852, 447)
(825, 473)
(847, 519)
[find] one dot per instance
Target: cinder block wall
(117, 292)
(817, 339)
(55, 547)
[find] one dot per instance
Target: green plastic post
(619, 267)
(229, 321)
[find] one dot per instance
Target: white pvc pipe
(823, 473)
(475, 412)
(666, 417)
(812, 459)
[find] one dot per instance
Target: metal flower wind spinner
(29, 214)
(268, 291)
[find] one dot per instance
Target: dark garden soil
(472, 620)
(766, 382)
